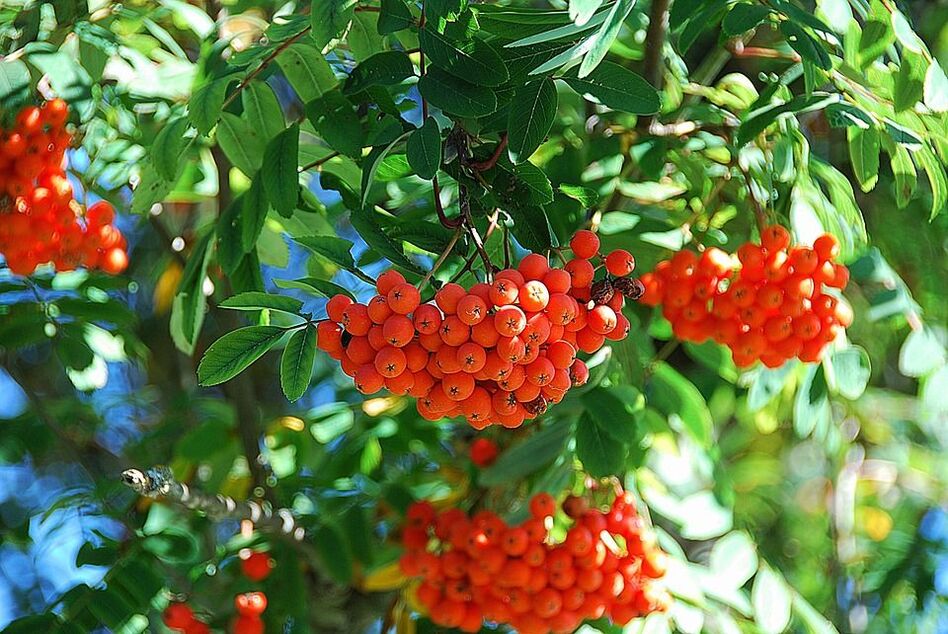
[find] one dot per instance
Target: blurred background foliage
(808, 498)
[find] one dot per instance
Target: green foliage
(303, 152)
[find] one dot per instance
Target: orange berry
(578, 373)
(368, 380)
(504, 291)
(453, 331)
(398, 330)
(483, 452)
(775, 238)
(378, 309)
(534, 296)
(257, 566)
(471, 310)
(471, 357)
(114, 261)
(458, 386)
(557, 281)
(601, 320)
(250, 603)
(390, 362)
(533, 266)
(584, 243)
(448, 297)
(581, 272)
(621, 263)
(403, 298)
(542, 505)
(388, 280)
(178, 616)
(826, 247)
(427, 319)
(355, 319)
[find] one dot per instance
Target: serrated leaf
(906, 178)
(529, 455)
(387, 68)
(456, 96)
(743, 17)
(394, 16)
(587, 197)
(330, 247)
(864, 146)
(936, 178)
(602, 40)
(475, 61)
(600, 454)
(876, 35)
(307, 71)
(372, 162)
(279, 170)
(337, 123)
(296, 364)
(231, 354)
(806, 45)
(532, 228)
(262, 111)
(254, 300)
(614, 410)
(936, 88)
(253, 214)
(616, 87)
(241, 143)
(315, 285)
(424, 149)
(368, 227)
(204, 107)
(761, 119)
(166, 150)
(530, 122)
(152, 188)
(330, 18)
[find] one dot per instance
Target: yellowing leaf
(384, 579)
(166, 288)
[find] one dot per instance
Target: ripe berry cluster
(480, 569)
(496, 353)
(769, 305)
(40, 222)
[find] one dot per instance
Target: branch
(319, 162)
(441, 258)
(159, 483)
(465, 204)
(263, 64)
(483, 166)
(655, 42)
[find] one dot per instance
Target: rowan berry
(471, 310)
(471, 357)
(509, 321)
(453, 331)
(621, 263)
(533, 267)
(248, 625)
(483, 452)
(178, 616)
(542, 505)
(448, 297)
(390, 362)
(388, 280)
(581, 272)
(256, 566)
(504, 291)
(826, 247)
(368, 380)
(250, 603)
(584, 244)
(355, 319)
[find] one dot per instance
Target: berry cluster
(180, 618)
(480, 569)
(40, 222)
(496, 353)
(767, 306)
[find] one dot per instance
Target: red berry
(483, 452)
(257, 566)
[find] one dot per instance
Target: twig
(670, 346)
(159, 483)
(465, 204)
(441, 258)
(448, 223)
(319, 162)
(263, 64)
(486, 164)
(655, 43)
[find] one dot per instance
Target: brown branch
(449, 223)
(263, 65)
(655, 43)
(483, 166)
(319, 162)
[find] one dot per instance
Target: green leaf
(254, 300)
(851, 370)
(587, 197)
(844, 115)
(315, 285)
(363, 35)
(307, 71)
(921, 354)
(909, 85)
(68, 79)
(806, 45)
(167, 148)
(475, 61)
(231, 354)
(296, 364)
(761, 119)
(771, 598)
(877, 34)
(614, 410)
(815, 622)
(811, 408)
(455, 96)
(228, 230)
(602, 40)
(906, 178)
(714, 357)
(14, 85)
(279, 170)
(936, 178)
(528, 456)
(733, 559)
(332, 548)
(743, 17)
(524, 182)
(936, 88)
(600, 454)
(616, 87)
(334, 249)
(204, 108)
(329, 19)
(424, 149)
(368, 227)
(394, 16)
(241, 143)
(387, 68)
(337, 123)
(187, 311)
(262, 111)
(373, 161)
(676, 397)
(864, 146)
(253, 214)
(766, 384)
(530, 122)
(580, 11)
(531, 227)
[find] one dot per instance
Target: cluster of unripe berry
(480, 569)
(768, 305)
(250, 606)
(40, 221)
(496, 353)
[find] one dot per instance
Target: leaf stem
(441, 258)
(319, 162)
(263, 65)
(486, 164)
